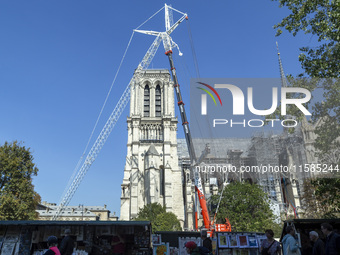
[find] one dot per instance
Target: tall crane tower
(123, 101)
(169, 45)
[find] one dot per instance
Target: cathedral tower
(152, 173)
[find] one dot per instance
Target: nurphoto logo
(267, 98)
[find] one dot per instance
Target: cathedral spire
(282, 73)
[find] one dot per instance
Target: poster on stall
(182, 241)
(252, 241)
(214, 246)
(156, 239)
(233, 241)
(243, 241)
(223, 241)
(161, 249)
(174, 251)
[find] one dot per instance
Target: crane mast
(168, 44)
(111, 122)
(188, 138)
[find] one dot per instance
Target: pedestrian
(332, 240)
(52, 243)
(318, 245)
(192, 248)
(206, 240)
(118, 245)
(289, 243)
(270, 245)
(67, 244)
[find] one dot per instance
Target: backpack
(204, 250)
(265, 251)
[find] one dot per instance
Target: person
(118, 245)
(318, 245)
(52, 243)
(192, 248)
(269, 245)
(67, 244)
(332, 240)
(206, 240)
(289, 243)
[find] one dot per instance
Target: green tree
(321, 198)
(18, 200)
(321, 19)
(247, 208)
(159, 218)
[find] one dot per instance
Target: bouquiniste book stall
(239, 243)
(90, 237)
(233, 243)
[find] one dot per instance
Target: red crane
(208, 225)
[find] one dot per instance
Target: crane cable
(104, 104)
(199, 77)
(98, 118)
(193, 50)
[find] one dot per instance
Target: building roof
(73, 211)
(78, 223)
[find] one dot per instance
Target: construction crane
(169, 44)
(116, 113)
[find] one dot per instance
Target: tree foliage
(18, 200)
(321, 19)
(325, 115)
(321, 198)
(160, 219)
(247, 208)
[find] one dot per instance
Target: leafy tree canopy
(160, 219)
(18, 200)
(321, 19)
(247, 207)
(321, 198)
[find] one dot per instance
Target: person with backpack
(67, 244)
(52, 243)
(332, 239)
(289, 243)
(207, 243)
(269, 246)
(192, 248)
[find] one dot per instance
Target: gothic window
(146, 101)
(151, 133)
(162, 182)
(158, 101)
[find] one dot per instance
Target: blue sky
(58, 60)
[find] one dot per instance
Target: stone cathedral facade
(152, 173)
(157, 165)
